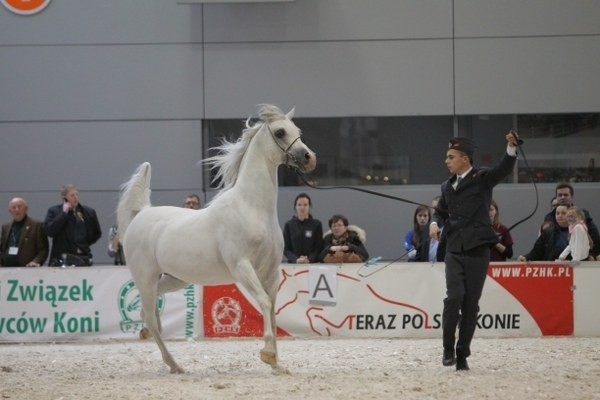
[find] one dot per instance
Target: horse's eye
(279, 133)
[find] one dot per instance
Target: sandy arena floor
(543, 368)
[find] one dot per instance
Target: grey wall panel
(101, 82)
(98, 155)
(106, 21)
(331, 78)
(95, 88)
(328, 20)
(483, 18)
(527, 75)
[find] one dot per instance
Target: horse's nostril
(307, 156)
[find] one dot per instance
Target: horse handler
(463, 211)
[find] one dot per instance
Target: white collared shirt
(461, 177)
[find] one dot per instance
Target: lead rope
(532, 179)
(373, 261)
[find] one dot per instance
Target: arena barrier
(396, 300)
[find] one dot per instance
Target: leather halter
(285, 151)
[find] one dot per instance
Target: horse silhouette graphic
(374, 311)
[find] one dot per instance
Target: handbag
(341, 257)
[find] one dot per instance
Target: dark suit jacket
(464, 212)
(61, 229)
(33, 243)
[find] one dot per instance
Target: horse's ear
(290, 115)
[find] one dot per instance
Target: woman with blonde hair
(579, 239)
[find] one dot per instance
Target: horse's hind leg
(166, 284)
(144, 332)
(149, 296)
(169, 283)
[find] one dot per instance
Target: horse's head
(287, 137)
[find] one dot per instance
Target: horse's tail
(135, 196)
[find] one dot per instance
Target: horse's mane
(229, 155)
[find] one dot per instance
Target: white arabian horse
(236, 238)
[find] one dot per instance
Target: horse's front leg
(247, 277)
(269, 353)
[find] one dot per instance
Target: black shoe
(462, 364)
(448, 359)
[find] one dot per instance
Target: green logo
(129, 304)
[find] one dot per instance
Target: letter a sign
(322, 285)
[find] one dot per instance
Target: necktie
(458, 179)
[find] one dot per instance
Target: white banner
(54, 304)
(398, 300)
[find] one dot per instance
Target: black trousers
(465, 277)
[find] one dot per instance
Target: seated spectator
(343, 243)
(565, 194)
(439, 245)
(429, 249)
(579, 240)
(552, 241)
(23, 241)
(302, 235)
(414, 238)
(74, 228)
(546, 223)
(192, 201)
(115, 247)
(553, 203)
(503, 250)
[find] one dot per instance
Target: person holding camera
(74, 228)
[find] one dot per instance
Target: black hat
(463, 144)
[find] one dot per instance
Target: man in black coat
(463, 211)
(74, 228)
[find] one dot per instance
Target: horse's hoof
(177, 370)
(279, 370)
(145, 334)
(268, 357)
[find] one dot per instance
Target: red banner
(228, 313)
(544, 290)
